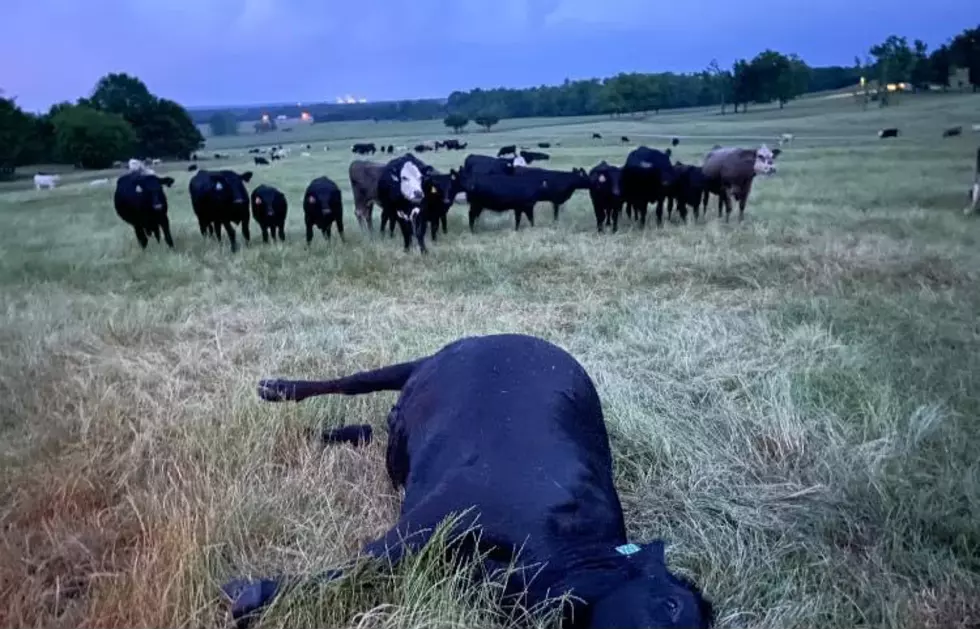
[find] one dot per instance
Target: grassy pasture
(793, 400)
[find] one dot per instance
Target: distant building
(959, 78)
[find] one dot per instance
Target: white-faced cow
(400, 196)
(730, 171)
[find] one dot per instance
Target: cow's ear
(247, 176)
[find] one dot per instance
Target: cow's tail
(390, 378)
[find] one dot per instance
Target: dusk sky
(225, 52)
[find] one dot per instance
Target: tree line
(121, 119)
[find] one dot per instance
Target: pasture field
(793, 401)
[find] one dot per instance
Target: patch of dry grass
(791, 401)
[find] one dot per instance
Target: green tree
(163, 128)
(18, 137)
(721, 83)
(456, 122)
(745, 84)
(965, 50)
(223, 123)
(921, 73)
(940, 62)
(893, 63)
(487, 120)
(90, 138)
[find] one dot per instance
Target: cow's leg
(309, 232)
(474, 213)
(616, 209)
(721, 201)
(682, 210)
(325, 230)
(670, 207)
(217, 230)
(165, 227)
(140, 236)
(557, 207)
(205, 227)
(231, 236)
(660, 212)
(156, 232)
(443, 220)
(743, 198)
(384, 223)
(529, 212)
(640, 213)
(406, 232)
(600, 217)
(265, 233)
(245, 231)
(282, 231)
(419, 226)
(340, 228)
(434, 225)
(517, 218)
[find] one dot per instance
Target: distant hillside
(331, 112)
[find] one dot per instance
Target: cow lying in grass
(509, 429)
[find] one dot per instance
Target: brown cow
(729, 171)
(364, 177)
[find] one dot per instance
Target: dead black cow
(269, 207)
(536, 494)
(322, 207)
(888, 133)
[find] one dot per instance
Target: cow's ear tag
(627, 549)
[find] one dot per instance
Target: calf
(544, 145)
(730, 171)
(391, 149)
(269, 209)
(689, 188)
(364, 177)
(510, 149)
(953, 132)
(888, 133)
(45, 181)
(219, 198)
(141, 201)
(422, 148)
(559, 186)
(501, 192)
(260, 161)
(534, 156)
(974, 205)
(647, 178)
(624, 139)
(322, 207)
(191, 168)
(596, 136)
(505, 435)
(675, 141)
(606, 195)
(400, 196)
(440, 193)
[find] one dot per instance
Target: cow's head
(654, 597)
(149, 188)
(409, 179)
(764, 160)
(263, 201)
(229, 186)
(317, 200)
(605, 179)
(441, 190)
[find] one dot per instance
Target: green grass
(792, 400)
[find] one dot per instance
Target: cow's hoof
(273, 390)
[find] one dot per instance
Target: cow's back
(511, 425)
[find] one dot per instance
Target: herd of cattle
(415, 196)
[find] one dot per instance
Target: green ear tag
(627, 549)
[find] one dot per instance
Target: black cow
(952, 132)
(606, 194)
(690, 188)
(510, 149)
(487, 165)
(558, 185)
(261, 160)
(141, 201)
(624, 139)
(219, 197)
(534, 156)
(391, 148)
(440, 192)
(192, 168)
(506, 433)
(544, 145)
(400, 196)
(647, 177)
(269, 209)
(596, 136)
(421, 148)
(363, 148)
(323, 206)
(675, 141)
(501, 192)
(888, 133)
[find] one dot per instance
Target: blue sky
(215, 52)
